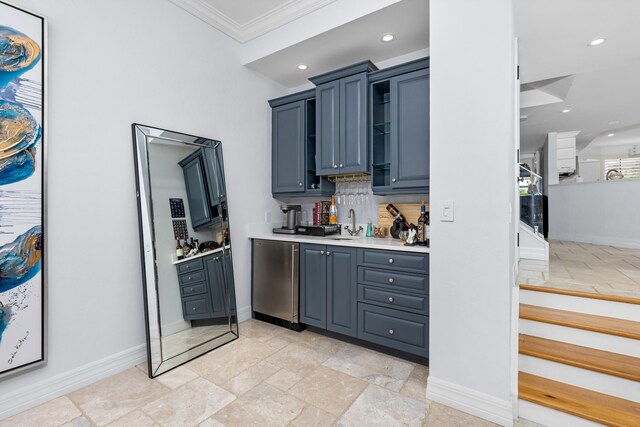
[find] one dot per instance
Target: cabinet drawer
(418, 304)
(193, 289)
(196, 308)
(393, 328)
(197, 276)
(189, 266)
(394, 260)
(391, 279)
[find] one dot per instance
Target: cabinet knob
(222, 195)
(340, 164)
(391, 331)
(321, 252)
(393, 180)
(390, 260)
(190, 289)
(195, 309)
(335, 166)
(189, 278)
(300, 184)
(390, 299)
(390, 279)
(328, 253)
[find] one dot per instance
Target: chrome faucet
(353, 232)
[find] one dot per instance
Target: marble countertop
(359, 242)
(200, 255)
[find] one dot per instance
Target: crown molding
(281, 15)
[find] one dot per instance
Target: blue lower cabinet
(342, 297)
(196, 307)
(203, 287)
(313, 285)
(214, 268)
(397, 329)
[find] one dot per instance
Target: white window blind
(630, 167)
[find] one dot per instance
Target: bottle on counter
(397, 215)
(423, 222)
(333, 211)
(369, 228)
(179, 250)
(186, 248)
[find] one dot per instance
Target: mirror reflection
(186, 246)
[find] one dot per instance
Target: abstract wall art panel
(22, 139)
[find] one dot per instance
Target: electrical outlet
(447, 211)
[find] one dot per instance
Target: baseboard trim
(35, 394)
(244, 313)
(470, 401)
(596, 240)
(535, 254)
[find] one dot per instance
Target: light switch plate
(447, 211)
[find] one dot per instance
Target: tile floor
(269, 377)
(585, 267)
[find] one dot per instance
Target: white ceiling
(355, 41)
(604, 94)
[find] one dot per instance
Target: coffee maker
(291, 219)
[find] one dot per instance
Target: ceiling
(599, 84)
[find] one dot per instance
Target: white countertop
(261, 232)
(200, 255)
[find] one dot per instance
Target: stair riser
(602, 383)
(597, 307)
(611, 343)
(550, 417)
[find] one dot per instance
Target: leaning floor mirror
(185, 246)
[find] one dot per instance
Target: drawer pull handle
(391, 331)
(321, 252)
(390, 299)
(390, 260)
(390, 279)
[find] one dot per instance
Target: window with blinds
(629, 167)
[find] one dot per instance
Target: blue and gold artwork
(21, 181)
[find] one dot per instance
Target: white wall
(112, 63)
(604, 213)
(472, 127)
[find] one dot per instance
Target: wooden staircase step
(580, 402)
(605, 362)
(583, 294)
(588, 322)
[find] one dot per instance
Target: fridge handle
(294, 285)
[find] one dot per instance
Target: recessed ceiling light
(611, 134)
(387, 38)
(566, 111)
(596, 42)
(302, 67)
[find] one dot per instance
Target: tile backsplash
(356, 196)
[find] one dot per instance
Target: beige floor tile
(371, 366)
(318, 342)
(384, 408)
(229, 361)
(78, 422)
(190, 404)
(262, 406)
(177, 377)
(144, 368)
(298, 358)
(284, 379)
(313, 417)
(113, 397)
(211, 423)
(416, 385)
(53, 413)
(443, 416)
(328, 389)
(250, 378)
(136, 418)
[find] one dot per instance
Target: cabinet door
(313, 285)
(287, 161)
(215, 174)
(342, 309)
(230, 283)
(327, 128)
(197, 197)
(353, 124)
(410, 130)
(217, 287)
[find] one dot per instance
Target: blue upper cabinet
(293, 145)
(197, 196)
(399, 137)
(341, 117)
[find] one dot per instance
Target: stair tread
(605, 362)
(583, 294)
(583, 403)
(590, 322)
